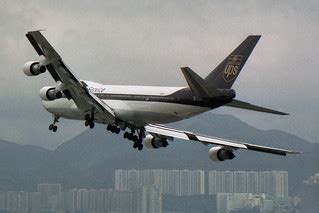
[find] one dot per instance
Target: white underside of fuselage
(133, 112)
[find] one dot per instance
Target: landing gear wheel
(51, 127)
(130, 136)
(135, 138)
(87, 117)
(113, 129)
(117, 130)
(140, 147)
(87, 122)
(109, 127)
(125, 135)
(135, 145)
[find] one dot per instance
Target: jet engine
(154, 142)
(33, 68)
(220, 154)
(49, 94)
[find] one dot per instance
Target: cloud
(145, 43)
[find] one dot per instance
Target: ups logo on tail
(232, 67)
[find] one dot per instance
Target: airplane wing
(69, 83)
(244, 105)
(170, 133)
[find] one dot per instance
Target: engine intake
(50, 94)
(154, 142)
(33, 68)
(220, 154)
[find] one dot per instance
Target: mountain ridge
(90, 158)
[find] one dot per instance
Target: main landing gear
(53, 127)
(131, 136)
(113, 128)
(89, 120)
(136, 138)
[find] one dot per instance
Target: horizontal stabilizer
(201, 89)
(244, 105)
(196, 84)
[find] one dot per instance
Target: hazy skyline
(146, 43)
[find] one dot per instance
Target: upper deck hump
(131, 90)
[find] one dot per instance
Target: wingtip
(256, 36)
(40, 30)
(294, 152)
(184, 68)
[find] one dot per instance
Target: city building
(49, 195)
(271, 183)
(310, 194)
(240, 182)
(151, 200)
(170, 182)
(252, 182)
(227, 181)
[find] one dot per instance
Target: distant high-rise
(262, 182)
(170, 182)
(252, 182)
(212, 182)
(151, 198)
(49, 196)
(227, 181)
(271, 183)
(220, 182)
(19, 201)
(223, 202)
(121, 180)
(2, 201)
(240, 182)
(12, 201)
(98, 200)
(310, 195)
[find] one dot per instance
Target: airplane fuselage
(140, 105)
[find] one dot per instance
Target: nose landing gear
(53, 127)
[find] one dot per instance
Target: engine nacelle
(33, 68)
(49, 94)
(154, 142)
(220, 154)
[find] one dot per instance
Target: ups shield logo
(232, 67)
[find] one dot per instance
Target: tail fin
(225, 74)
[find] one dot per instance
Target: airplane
(142, 111)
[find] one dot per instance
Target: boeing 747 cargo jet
(141, 111)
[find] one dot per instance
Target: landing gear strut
(53, 127)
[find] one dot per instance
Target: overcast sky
(146, 43)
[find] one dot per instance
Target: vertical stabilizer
(225, 74)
